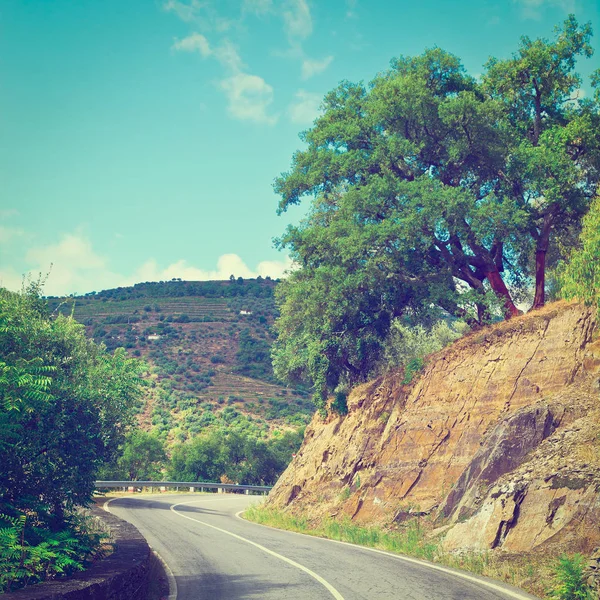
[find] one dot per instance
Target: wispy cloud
(533, 9)
(249, 98)
(297, 19)
(305, 108)
(351, 9)
(226, 53)
(9, 234)
(186, 11)
(257, 7)
(195, 42)
(314, 67)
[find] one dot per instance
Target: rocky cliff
(498, 441)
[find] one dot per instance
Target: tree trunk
(540, 264)
(540, 279)
(497, 284)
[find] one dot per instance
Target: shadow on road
(229, 587)
(134, 503)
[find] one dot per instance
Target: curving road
(213, 555)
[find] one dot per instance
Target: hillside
(208, 347)
(496, 444)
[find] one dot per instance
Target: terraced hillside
(208, 347)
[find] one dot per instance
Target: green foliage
(229, 455)
(345, 494)
(254, 357)
(410, 540)
(141, 457)
(29, 554)
(430, 191)
(407, 345)
(64, 404)
(331, 327)
(339, 404)
(569, 580)
(580, 276)
(413, 366)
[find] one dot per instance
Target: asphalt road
(214, 555)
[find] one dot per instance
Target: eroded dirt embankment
(498, 441)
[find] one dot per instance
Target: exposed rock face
(497, 439)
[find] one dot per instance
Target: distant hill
(208, 346)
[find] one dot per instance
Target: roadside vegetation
(217, 454)
(541, 575)
(65, 407)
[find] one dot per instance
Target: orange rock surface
(490, 441)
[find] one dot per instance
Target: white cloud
(227, 265)
(532, 9)
(275, 268)
(7, 234)
(186, 11)
(257, 7)
(228, 56)
(314, 67)
(351, 9)
(297, 20)
(200, 12)
(10, 279)
(249, 98)
(305, 108)
(195, 42)
(74, 267)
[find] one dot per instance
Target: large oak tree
(431, 189)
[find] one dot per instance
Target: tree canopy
(65, 404)
(431, 191)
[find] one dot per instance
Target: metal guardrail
(185, 484)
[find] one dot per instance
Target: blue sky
(139, 139)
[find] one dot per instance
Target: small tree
(142, 457)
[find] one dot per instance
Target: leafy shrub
(580, 278)
(405, 343)
(339, 404)
(413, 367)
(569, 581)
(30, 554)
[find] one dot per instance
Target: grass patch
(410, 539)
(538, 574)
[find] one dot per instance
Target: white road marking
(314, 575)
(489, 584)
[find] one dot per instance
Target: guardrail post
(192, 489)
